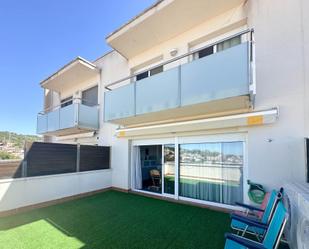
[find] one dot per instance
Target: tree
(6, 156)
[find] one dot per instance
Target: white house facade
(195, 98)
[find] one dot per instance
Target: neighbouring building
(195, 98)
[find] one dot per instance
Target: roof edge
(78, 58)
(134, 18)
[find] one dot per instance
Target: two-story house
(195, 98)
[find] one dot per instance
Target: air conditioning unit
(303, 222)
(297, 202)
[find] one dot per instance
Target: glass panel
(157, 93)
(67, 117)
(229, 43)
(200, 171)
(232, 185)
(88, 116)
(151, 165)
(156, 70)
(53, 120)
(90, 96)
(211, 171)
(42, 123)
(119, 103)
(198, 77)
(169, 169)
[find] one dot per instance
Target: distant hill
(17, 140)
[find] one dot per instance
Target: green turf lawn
(115, 220)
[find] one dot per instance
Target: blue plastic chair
(271, 239)
(244, 225)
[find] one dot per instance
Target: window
(228, 43)
(211, 171)
(90, 96)
(149, 73)
(156, 70)
(205, 52)
(67, 101)
(142, 76)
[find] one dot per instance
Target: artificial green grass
(115, 220)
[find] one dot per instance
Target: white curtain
(136, 168)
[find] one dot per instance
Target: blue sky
(37, 37)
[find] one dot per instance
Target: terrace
(115, 220)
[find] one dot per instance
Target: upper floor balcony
(214, 83)
(71, 117)
(71, 100)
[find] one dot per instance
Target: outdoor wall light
(174, 52)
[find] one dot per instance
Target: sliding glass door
(211, 171)
(201, 168)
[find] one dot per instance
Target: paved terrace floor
(115, 220)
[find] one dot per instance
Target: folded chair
(253, 211)
(272, 236)
(242, 223)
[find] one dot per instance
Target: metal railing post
(24, 162)
(24, 168)
(179, 86)
(78, 158)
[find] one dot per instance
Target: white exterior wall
(280, 82)
(16, 193)
(229, 21)
(114, 67)
(280, 62)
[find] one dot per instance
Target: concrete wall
(280, 82)
(16, 193)
(114, 67)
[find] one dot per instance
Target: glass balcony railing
(220, 76)
(70, 119)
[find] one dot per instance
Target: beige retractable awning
(231, 121)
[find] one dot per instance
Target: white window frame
(177, 140)
(215, 40)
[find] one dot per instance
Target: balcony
(216, 84)
(72, 119)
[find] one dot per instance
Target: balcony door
(201, 168)
(212, 171)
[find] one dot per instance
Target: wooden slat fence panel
(94, 157)
(50, 159)
(55, 158)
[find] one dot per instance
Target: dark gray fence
(55, 158)
(94, 157)
(50, 159)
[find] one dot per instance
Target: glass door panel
(169, 169)
(211, 171)
(232, 164)
(151, 168)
